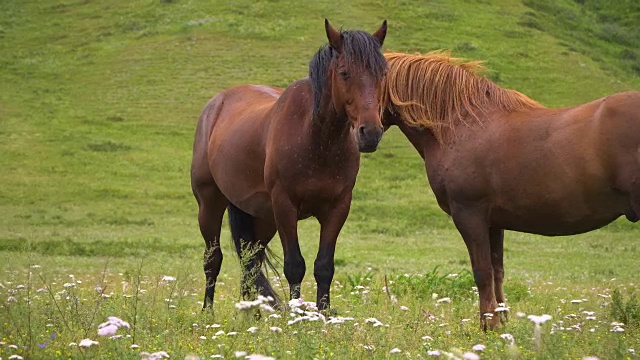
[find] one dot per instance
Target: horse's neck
(329, 130)
(330, 135)
(422, 140)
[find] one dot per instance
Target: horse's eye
(344, 74)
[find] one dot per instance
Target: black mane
(358, 47)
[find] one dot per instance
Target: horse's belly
(551, 221)
(556, 228)
(241, 181)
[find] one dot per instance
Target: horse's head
(356, 72)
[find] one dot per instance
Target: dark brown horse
(498, 160)
(274, 156)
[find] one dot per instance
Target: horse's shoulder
(297, 92)
(299, 85)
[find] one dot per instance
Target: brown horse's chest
(312, 193)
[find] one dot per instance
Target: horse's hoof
(490, 321)
(330, 312)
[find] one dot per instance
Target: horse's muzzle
(368, 138)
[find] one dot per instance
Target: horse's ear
(334, 36)
(381, 33)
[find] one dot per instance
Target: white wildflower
(168, 278)
(434, 353)
(275, 329)
(374, 321)
(395, 351)
(154, 356)
(478, 347)
(470, 356)
(444, 300)
(110, 327)
(508, 337)
(252, 330)
(87, 343)
(240, 354)
(538, 320)
(107, 329)
(617, 329)
(259, 357)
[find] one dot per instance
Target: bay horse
(497, 160)
(273, 156)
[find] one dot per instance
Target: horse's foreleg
(496, 237)
(211, 205)
(286, 216)
(331, 221)
(472, 225)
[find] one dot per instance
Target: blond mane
(437, 91)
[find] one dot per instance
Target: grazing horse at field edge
(496, 160)
(274, 156)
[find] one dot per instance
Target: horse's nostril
(361, 130)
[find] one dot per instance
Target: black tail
(241, 225)
(244, 239)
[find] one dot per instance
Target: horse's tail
(242, 230)
(250, 252)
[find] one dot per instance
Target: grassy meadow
(98, 106)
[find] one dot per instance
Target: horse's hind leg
(496, 237)
(211, 207)
(265, 229)
(251, 236)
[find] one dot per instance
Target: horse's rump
(236, 148)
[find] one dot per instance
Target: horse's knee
(294, 269)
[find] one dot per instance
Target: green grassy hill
(99, 101)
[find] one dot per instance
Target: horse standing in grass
(274, 156)
(497, 160)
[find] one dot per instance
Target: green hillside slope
(98, 100)
(98, 106)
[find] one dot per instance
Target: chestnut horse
(497, 160)
(274, 156)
